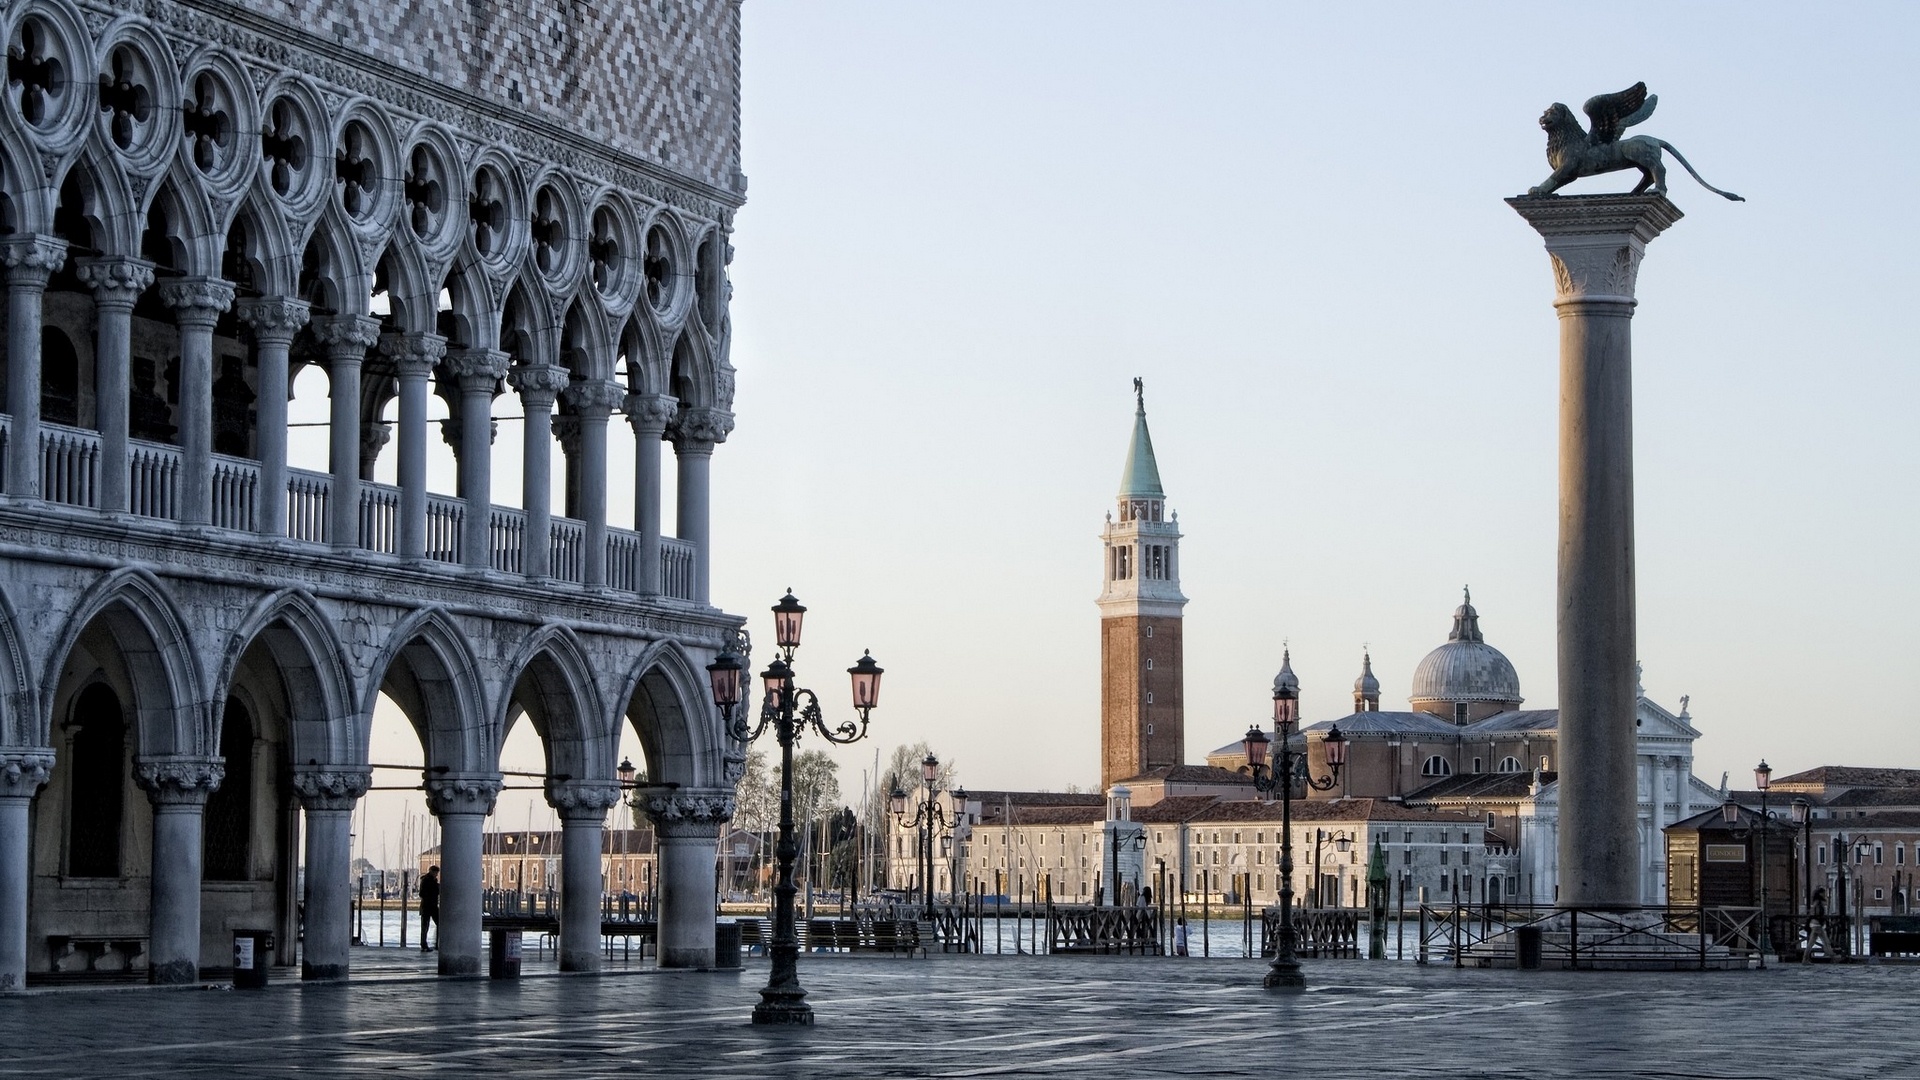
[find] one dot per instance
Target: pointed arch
(257, 240)
(170, 701)
(340, 279)
(526, 327)
(427, 669)
(107, 203)
(18, 692)
(586, 342)
(692, 372)
(647, 369)
(180, 217)
(323, 727)
(553, 685)
(664, 696)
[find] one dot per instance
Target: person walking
(429, 904)
(1180, 936)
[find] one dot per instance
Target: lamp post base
(783, 1006)
(1285, 975)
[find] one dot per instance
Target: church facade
(438, 205)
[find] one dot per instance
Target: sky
(969, 227)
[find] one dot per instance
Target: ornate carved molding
(22, 772)
(197, 301)
(116, 281)
(1595, 242)
(274, 319)
(31, 258)
(582, 800)
(413, 354)
(346, 337)
(595, 399)
(331, 789)
(651, 413)
(477, 369)
(701, 427)
(463, 794)
(538, 384)
(683, 813)
(179, 781)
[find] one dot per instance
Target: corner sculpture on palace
(1575, 152)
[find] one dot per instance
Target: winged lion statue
(1574, 152)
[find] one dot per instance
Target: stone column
(462, 804)
(117, 283)
(197, 304)
(413, 356)
(275, 321)
(328, 795)
(649, 414)
(345, 340)
(686, 825)
(478, 372)
(1595, 243)
(582, 805)
(22, 772)
(592, 402)
(29, 261)
(178, 789)
(695, 433)
(539, 385)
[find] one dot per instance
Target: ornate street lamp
(1803, 817)
(1284, 973)
(783, 1001)
(929, 818)
(1730, 814)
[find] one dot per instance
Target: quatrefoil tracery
(426, 199)
(208, 126)
(39, 75)
(124, 95)
(282, 148)
(354, 171)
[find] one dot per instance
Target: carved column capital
(197, 301)
(679, 813)
(462, 794)
(583, 800)
(477, 369)
(31, 258)
(116, 281)
(700, 428)
(1596, 242)
(22, 772)
(274, 319)
(179, 782)
(346, 337)
(595, 399)
(651, 413)
(538, 384)
(328, 788)
(413, 354)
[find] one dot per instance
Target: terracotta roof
(1059, 815)
(1480, 786)
(1876, 797)
(1191, 774)
(1209, 809)
(1853, 776)
(993, 803)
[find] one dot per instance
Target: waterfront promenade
(996, 1016)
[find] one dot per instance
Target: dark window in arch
(97, 792)
(59, 378)
(229, 820)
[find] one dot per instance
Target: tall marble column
(328, 796)
(29, 261)
(345, 339)
(686, 825)
(275, 320)
(178, 789)
(197, 304)
(117, 282)
(695, 433)
(582, 806)
(592, 402)
(478, 371)
(22, 772)
(413, 356)
(539, 385)
(462, 804)
(649, 414)
(1595, 244)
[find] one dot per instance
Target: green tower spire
(1141, 479)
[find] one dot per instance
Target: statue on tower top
(1575, 152)
(1140, 391)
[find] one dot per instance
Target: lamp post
(783, 1001)
(1803, 817)
(929, 818)
(1138, 842)
(1730, 812)
(1284, 972)
(626, 772)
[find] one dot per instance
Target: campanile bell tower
(1142, 718)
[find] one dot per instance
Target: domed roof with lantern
(1465, 670)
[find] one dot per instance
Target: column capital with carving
(583, 800)
(23, 772)
(1596, 242)
(346, 337)
(538, 384)
(179, 781)
(413, 354)
(197, 301)
(331, 787)
(477, 369)
(31, 258)
(463, 794)
(595, 399)
(116, 280)
(651, 413)
(274, 319)
(700, 428)
(687, 813)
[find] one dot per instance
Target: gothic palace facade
(520, 209)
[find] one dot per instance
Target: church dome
(1465, 670)
(1366, 685)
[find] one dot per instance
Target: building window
(1149, 663)
(1443, 856)
(1436, 766)
(1466, 858)
(1149, 729)
(1409, 836)
(1476, 766)
(1899, 854)
(1489, 819)
(1149, 697)
(1406, 857)
(1509, 764)
(1460, 712)
(1149, 629)
(1820, 855)
(1879, 895)
(1879, 856)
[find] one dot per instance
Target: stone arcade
(198, 200)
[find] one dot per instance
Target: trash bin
(252, 956)
(726, 945)
(503, 954)
(1527, 947)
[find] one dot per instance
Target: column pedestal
(1595, 244)
(29, 261)
(22, 772)
(117, 284)
(649, 414)
(275, 320)
(462, 805)
(582, 806)
(328, 797)
(178, 789)
(686, 830)
(197, 304)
